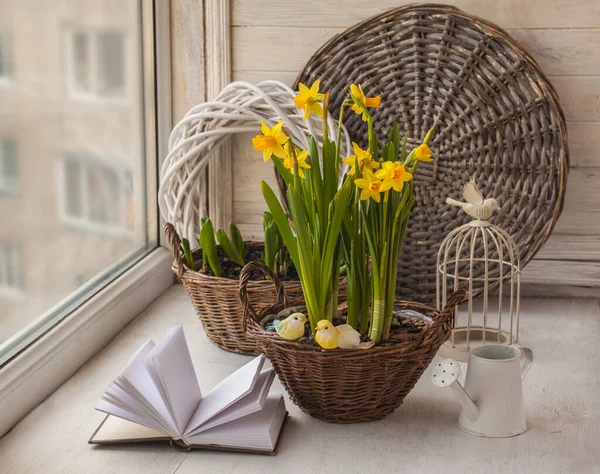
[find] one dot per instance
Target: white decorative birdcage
(486, 258)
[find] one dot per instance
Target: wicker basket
(217, 299)
(347, 386)
(497, 118)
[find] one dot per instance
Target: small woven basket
(217, 299)
(346, 385)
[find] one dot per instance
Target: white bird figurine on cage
(476, 206)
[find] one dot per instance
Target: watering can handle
(526, 360)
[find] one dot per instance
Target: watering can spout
(446, 374)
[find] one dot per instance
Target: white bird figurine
(292, 327)
(476, 206)
(348, 337)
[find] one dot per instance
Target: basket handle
(249, 310)
(175, 245)
(457, 297)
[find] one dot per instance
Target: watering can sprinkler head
(446, 374)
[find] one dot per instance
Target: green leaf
(429, 135)
(273, 241)
(229, 248)
(189, 259)
(209, 247)
(283, 225)
(373, 146)
(286, 174)
(334, 228)
(395, 140)
(237, 239)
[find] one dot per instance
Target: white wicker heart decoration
(194, 141)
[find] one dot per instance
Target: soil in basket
(232, 270)
(403, 329)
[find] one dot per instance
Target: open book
(157, 397)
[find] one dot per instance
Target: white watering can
(492, 398)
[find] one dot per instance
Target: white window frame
(85, 222)
(6, 187)
(48, 361)
(69, 53)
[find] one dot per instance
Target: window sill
(48, 362)
(561, 430)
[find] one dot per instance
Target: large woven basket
(347, 386)
(496, 115)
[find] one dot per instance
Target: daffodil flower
(423, 153)
(308, 99)
(373, 102)
(364, 160)
(271, 141)
(371, 186)
(301, 156)
(393, 175)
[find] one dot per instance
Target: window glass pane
(79, 157)
(111, 64)
(5, 55)
(10, 262)
(73, 184)
(9, 173)
(80, 61)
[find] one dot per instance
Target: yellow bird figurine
(292, 327)
(327, 335)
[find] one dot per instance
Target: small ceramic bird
(343, 336)
(327, 335)
(476, 206)
(348, 337)
(292, 327)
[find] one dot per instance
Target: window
(10, 268)
(84, 171)
(5, 57)
(96, 63)
(9, 172)
(96, 196)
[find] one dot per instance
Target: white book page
(247, 405)
(132, 401)
(171, 369)
(117, 397)
(107, 407)
(259, 430)
(226, 393)
(137, 377)
(117, 430)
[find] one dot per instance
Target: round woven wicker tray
(497, 118)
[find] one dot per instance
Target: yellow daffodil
(271, 141)
(373, 102)
(370, 185)
(423, 153)
(308, 99)
(364, 160)
(301, 156)
(393, 175)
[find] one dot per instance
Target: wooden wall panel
(558, 52)
(344, 13)
(563, 36)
